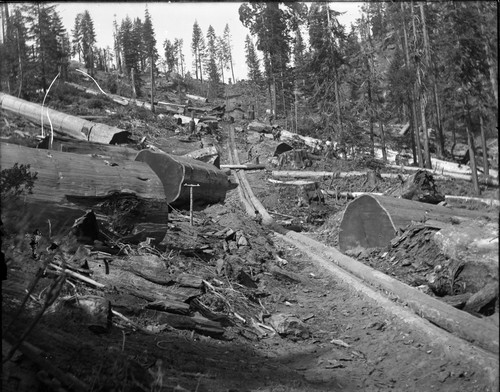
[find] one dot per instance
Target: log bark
(373, 221)
(483, 297)
(175, 172)
(63, 124)
(62, 174)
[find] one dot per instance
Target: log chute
(62, 123)
(372, 221)
(175, 172)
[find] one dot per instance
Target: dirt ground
(341, 341)
(351, 344)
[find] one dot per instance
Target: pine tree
(211, 56)
(170, 55)
(252, 60)
(227, 49)
(198, 50)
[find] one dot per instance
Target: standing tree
(227, 49)
(253, 63)
(149, 41)
(198, 50)
(178, 44)
(211, 56)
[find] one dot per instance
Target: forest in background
(432, 65)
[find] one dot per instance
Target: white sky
(175, 20)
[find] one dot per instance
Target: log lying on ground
(444, 174)
(63, 124)
(175, 172)
(248, 166)
(315, 174)
(207, 154)
(197, 98)
(309, 174)
(373, 221)
(307, 140)
(62, 175)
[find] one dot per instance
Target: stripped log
(309, 174)
(248, 166)
(174, 172)
(208, 154)
(197, 98)
(62, 123)
(373, 221)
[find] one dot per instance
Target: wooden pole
(191, 186)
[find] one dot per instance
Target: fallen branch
(78, 276)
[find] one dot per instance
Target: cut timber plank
(373, 221)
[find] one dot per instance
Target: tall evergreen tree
(198, 50)
(253, 64)
(211, 56)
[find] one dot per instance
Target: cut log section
(175, 172)
(372, 221)
(62, 123)
(63, 175)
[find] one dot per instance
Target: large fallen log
(176, 172)
(62, 123)
(197, 98)
(63, 175)
(310, 174)
(444, 174)
(372, 221)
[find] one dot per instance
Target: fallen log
(186, 119)
(197, 323)
(65, 178)
(459, 323)
(313, 174)
(444, 174)
(176, 172)
(62, 174)
(62, 123)
(482, 298)
(248, 166)
(197, 98)
(373, 221)
(208, 154)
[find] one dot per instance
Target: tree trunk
(231, 62)
(152, 84)
(42, 54)
(337, 99)
(472, 154)
(132, 77)
(486, 165)
(412, 94)
(21, 76)
(489, 60)
(382, 136)
(422, 99)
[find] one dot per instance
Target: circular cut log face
(365, 224)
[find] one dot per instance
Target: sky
(175, 20)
